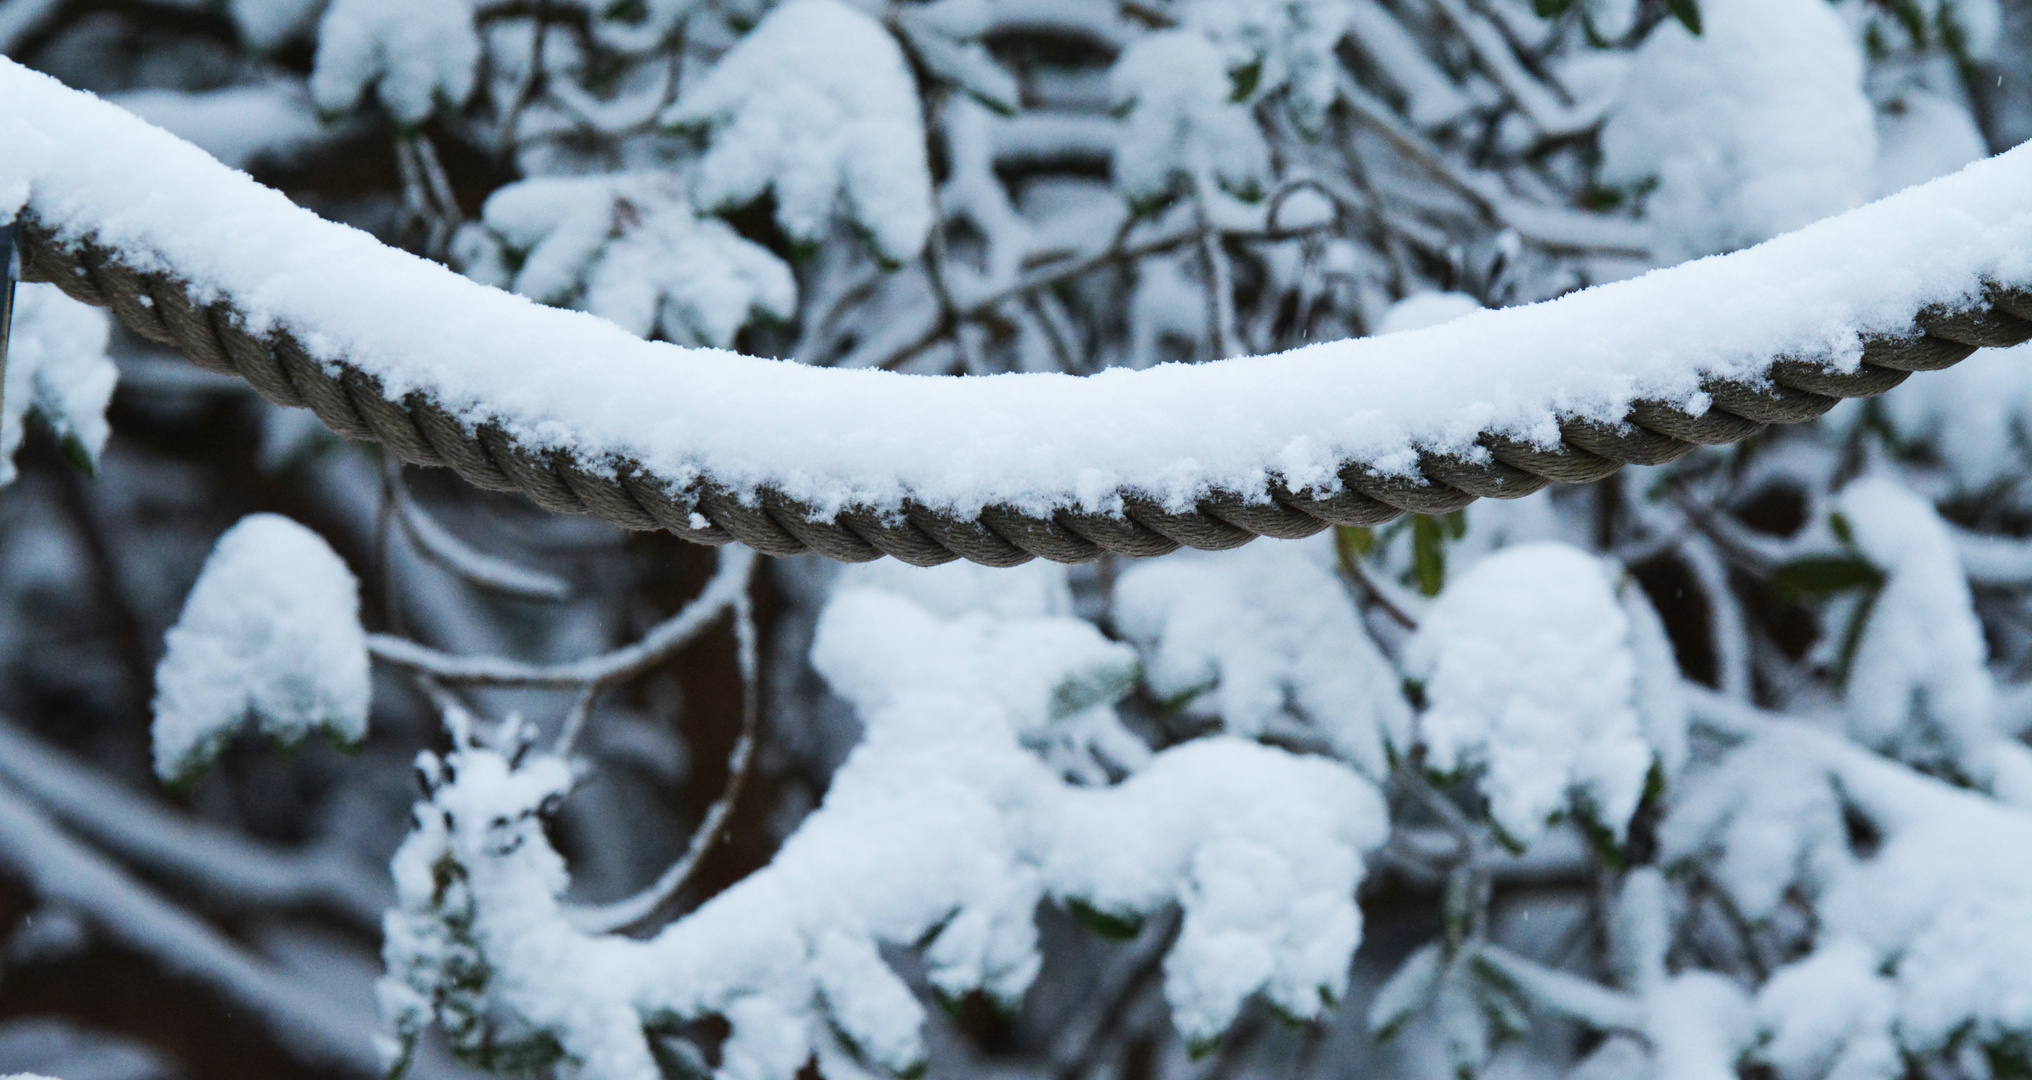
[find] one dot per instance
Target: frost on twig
(941, 828)
(271, 630)
(441, 546)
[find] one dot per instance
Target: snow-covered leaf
(1756, 127)
(1278, 45)
(270, 631)
(1531, 677)
(817, 106)
(1908, 878)
(1261, 636)
(57, 369)
(1181, 122)
(1918, 684)
(418, 56)
(630, 248)
(945, 34)
(941, 825)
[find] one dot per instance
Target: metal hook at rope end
(10, 272)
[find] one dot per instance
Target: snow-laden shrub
(1715, 765)
(816, 107)
(940, 830)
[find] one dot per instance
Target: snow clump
(940, 830)
(1756, 127)
(629, 248)
(1918, 684)
(271, 630)
(1182, 123)
(417, 55)
(57, 368)
(1263, 639)
(817, 105)
(1531, 675)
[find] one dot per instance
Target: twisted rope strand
(419, 431)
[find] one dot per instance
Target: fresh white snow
(833, 438)
(271, 631)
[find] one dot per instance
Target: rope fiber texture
(418, 431)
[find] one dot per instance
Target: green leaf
(1352, 544)
(1852, 637)
(79, 456)
(1687, 12)
(1548, 9)
(1838, 523)
(1824, 575)
(1244, 80)
(1428, 554)
(1108, 924)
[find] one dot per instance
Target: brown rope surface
(419, 431)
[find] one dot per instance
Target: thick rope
(419, 431)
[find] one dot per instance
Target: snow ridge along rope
(419, 431)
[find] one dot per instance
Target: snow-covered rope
(715, 447)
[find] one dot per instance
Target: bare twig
(1156, 941)
(1220, 282)
(624, 914)
(726, 589)
(440, 546)
(222, 863)
(62, 870)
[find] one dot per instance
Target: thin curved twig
(441, 546)
(625, 914)
(727, 589)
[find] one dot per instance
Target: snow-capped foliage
(1423, 310)
(270, 631)
(945, 35)
(629, 248)
(1969, 29)
(58, 371)
(817, 107)
(1756, 127)
(418, 56)
(1922, 134)
(1264, 640)
(1530, 676)
(1182, 123)
(1918, 686)
(947, 773)
(1919, 939)
(1277, 45)
(941, 827)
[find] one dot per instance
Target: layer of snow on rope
(1531, 676)
(271, 630)
(940, 827)
(568, 380)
